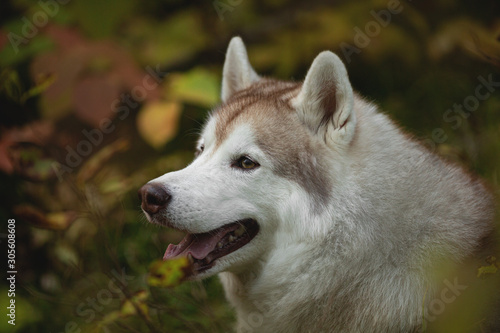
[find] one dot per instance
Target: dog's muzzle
(203, 249)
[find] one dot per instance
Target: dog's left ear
(325, 101)
(237, 74)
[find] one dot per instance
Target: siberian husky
(318, 213)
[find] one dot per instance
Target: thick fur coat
(355, 217)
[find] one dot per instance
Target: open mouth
(205, 248)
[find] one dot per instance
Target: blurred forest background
(99, 96)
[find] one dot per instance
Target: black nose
(154, 197)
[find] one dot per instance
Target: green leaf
(14, 52)
(100, 18)
(27, 313)
(198, 86)
(174, 40)
(43, 83)
(10, 85)
(66, 254)
(114, 185)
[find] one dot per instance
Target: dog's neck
(263, 300)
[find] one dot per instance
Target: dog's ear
(325, 101)
(237, 74)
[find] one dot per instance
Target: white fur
(238, 74)
(361, 263)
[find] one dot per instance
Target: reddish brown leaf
(111, 69)
(93, 99)
(37, 132)
(64, 37)
(56, 100)
(3, 39)
(6, 164)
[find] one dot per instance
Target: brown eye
(246, 163)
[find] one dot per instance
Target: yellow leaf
(61, 220)
(158, 122)
(169, 273)
(130, 307)
(483, 271)
(137, 301)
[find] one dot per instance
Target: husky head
(268, 161)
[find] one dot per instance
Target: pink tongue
(199, 245)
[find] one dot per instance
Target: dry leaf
(158, 122)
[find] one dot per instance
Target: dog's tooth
(231, 238)
(190, 258)
(240, 231)
(220, 245)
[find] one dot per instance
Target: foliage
(168, 273)
(103, 96)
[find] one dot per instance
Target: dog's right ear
(237, 74)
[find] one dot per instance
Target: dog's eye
(246, 163)
(199, 151)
